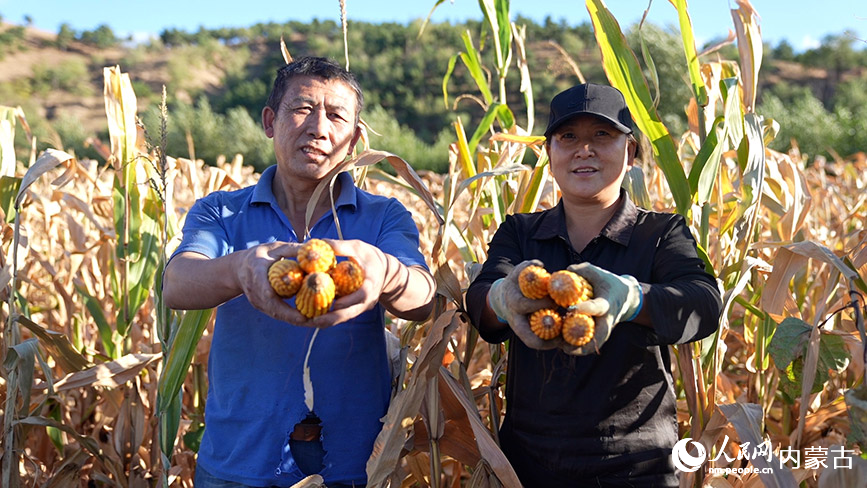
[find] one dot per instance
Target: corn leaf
(57, 345)
(8, 116)
(47, 161)
(405, 406)
(464, 155)
(427, 19)
(474, 64)
(624, 73)
(9, 186)
(110, 374)
(22, 358)
(87, 442)
(856, 405)
(537, 183)
(520, 34)
(106, 334)
(634, 184)
(183, 348)
(485, 124)
(698, 88)
(814, 250)
(497, 14)
(749, 49)
(143, 265)
(747, 420)
(170, 422)
(701, 180)
(449, 70)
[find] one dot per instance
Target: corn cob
(533, 282)
(568, 289)
(316, 255)
(316, 294)
(546, 323)
(348, 276)
(285, 277)
(578, 328)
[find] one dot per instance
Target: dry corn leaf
(49, 160)
(747, 420)
(402, 411)
(786, 264)
(110, 374)
(488, 449)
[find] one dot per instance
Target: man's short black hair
(317, 67)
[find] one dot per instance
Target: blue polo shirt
(255, 367)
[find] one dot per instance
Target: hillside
(60, 88)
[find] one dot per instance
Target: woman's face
(589, 158)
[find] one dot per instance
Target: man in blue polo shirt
(256, 392)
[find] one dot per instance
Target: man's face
(589, 158)
(314, 128)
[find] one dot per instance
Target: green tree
(804, 121)
(65, 35)
(101, 37)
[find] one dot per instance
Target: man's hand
(616, 299)
(511, 306)
(252, 276)
(405, 291)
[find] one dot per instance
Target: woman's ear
(631, 149)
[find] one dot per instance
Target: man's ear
(268, 117)
(355, 138)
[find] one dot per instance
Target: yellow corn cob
(578, 328)
(533, 282)
(568, 288)
(316, 255)
(285, 277)
(545, 323)
(316, 294)
(348, 276)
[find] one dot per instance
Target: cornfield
(105, 386)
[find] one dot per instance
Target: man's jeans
(205, 479)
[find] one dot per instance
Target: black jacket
(606, 419)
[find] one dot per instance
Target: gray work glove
(511, 306)
(615, 299)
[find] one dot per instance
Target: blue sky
(803, 24)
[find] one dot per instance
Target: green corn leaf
(497, 14)
(698, 88)
(183, 348)
(537, 182)
(484, 126)
(634, 184)
(9, 186)
(105, 330)
(427, 19)
(651, 66)
(170, 421)
(706, 164)
(142, 266)
(474, 65)
(624, 73)
(447, 77)
(497, 111)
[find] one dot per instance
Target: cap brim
(562, 120)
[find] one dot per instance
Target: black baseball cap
(602, 101)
